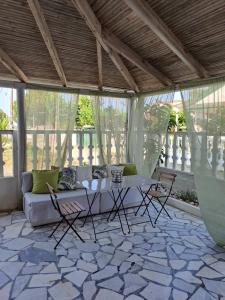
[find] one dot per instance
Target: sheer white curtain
(111, 128)
(50, 120)
(147, 130)
(204, 108)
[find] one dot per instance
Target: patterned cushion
(68, 179)
(99, 172)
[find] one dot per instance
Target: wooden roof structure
(138, 45)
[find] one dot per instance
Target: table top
(106, 184)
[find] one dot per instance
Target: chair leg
(162, 208)
(57, 226)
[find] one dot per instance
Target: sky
(5, 95)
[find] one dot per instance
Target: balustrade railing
(47, 147)
(8, 159)
(77, 147)
(179, 153)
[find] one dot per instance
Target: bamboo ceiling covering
(199, 25)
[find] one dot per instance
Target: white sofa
(39, 209)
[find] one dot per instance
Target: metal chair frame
(70, 225)
(170, 177)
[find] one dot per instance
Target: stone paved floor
(175, 260)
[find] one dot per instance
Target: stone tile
(86, 266)
(160, 261)
(217, 287)
(89, 289)
(5, 220)
(178, 249)
(19, 285)
(104, 294)
(108, 249)
(134, 258)
(5, 291)
(18, 243)
(63, 291)
(188, 277)
(77, 277)
(156, 292)
(156, 277)
(219, 267)
(68, 270)
(11, 269)
(6, 254)
(13, 231)
(133, 283)
(114, 284)
(87, 256)
(134, 297)
(36, 255)
(31, 269)
(125, 266)
(158, 254)
(51, 268)
(208, 259)
(119, 257)
(103, 259)
(34, 294)
(88, 246)
(126, 246)
(65, 262)
(195, 265)
(44, 280)
(208, 273)
(184, 286)
(3, 279)
(107, 272)
(177, 264)
(178, 295)
(158, 268)
(202, 294)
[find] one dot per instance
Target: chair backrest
(53, 197)
(167, 178)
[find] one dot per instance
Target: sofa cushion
(68, 179)
(99, 172)
(84, 173)
(41, 177)
(129, 169)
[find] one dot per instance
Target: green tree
(84, 112)
(4, 120)
(172, 121)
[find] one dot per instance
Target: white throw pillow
(84, 173)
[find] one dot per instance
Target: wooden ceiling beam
(120, 47)
(144, 11)
(93, 23)
(7, 61)
(99, 60)
(45, 32)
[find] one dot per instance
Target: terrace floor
(175, 260)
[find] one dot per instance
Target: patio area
(175, 260)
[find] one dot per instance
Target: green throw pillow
(129, 169)
(41, 177)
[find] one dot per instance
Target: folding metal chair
(159, 194)
(65, 210)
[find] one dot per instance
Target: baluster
(58, 149)
(214, 154)
(1, 157)
(70, 149)
(175, 151)
(90, 147)
(166, 150)
(109, 146)
(193, 151)
(80, 147)
(183, 156)
(117, 144)
(34, 150)
(47, 151)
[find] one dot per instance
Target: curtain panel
(50, 120)
(110, 116)
(149, 118)
(204, 108)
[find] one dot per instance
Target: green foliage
(84, 112)
(177, 120)
(188, 196)
(172, 121)
(4, 120)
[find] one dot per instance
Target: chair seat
(69, 207)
